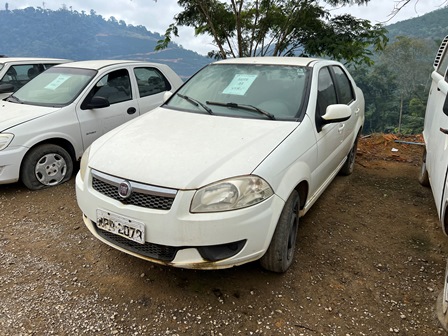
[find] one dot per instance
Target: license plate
(120, 225)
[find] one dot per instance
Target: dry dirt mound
(391, 147)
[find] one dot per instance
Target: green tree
(409, 60)
(381, 109)
(242, 28)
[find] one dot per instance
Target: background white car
(47, 124)
(15, 72)
(219, 175)
(434, 166)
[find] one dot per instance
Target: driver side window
(115, 87)
(326, 92)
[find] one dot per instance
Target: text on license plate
(120, 225)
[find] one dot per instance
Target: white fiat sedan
(220, 173)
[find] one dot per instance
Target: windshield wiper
(196, 102)
(13, 98)
(243, 107)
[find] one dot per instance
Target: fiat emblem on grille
(124, 189)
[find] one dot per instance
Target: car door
(330, 136)
(346, 95)
(437, 134)
(115, 86)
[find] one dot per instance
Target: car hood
(12, 114)
(184, 150)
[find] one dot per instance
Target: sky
(157, 16)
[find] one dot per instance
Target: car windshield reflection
(55, 87)
(277, 90)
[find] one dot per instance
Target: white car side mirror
(336, 113)
(167, 95)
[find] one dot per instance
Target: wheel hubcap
(51, 169)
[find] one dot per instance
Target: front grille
(155, 251)
(145, 196)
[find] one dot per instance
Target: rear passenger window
(345, 89)
(151, 81)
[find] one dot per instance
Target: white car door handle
(357, 110)
(444, 130)
(341, 127)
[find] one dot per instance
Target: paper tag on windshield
(240, 84)
(57, 82)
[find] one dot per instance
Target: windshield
(54, 87)
(245, 90)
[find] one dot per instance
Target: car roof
(99, 64)
(31, 59)
(269, 60)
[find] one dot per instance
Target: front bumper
(179, 238)
(10, 161)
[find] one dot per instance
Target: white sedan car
(47, 124)
(219, 175)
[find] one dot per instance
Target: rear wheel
(349, 165)
(280, 253)
(45, 166)
(423, 176)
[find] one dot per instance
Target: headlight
(83, 165)
(5, 140)
(231, 194)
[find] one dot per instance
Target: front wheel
(45, 166)
(280, 253)
(423, 176)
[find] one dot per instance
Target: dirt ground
(370, 260)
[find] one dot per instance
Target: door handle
(131, 110)
(444, 130)
(341, 128)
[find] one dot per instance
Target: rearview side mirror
(96, 102)
(336, 113)
(167, 95)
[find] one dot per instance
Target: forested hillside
(396, 86)
(433, 25)
(79, 35)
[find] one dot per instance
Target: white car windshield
(245, 90)
(56, 86)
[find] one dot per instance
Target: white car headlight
(5, 140)
(83, 165)
(231, 194)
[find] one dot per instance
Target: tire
(423, 176)
(279, 256)
(349, 165)
(46, 166)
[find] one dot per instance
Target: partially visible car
(15, 72)
(219, 175)
(46, 125)
(434, 167)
